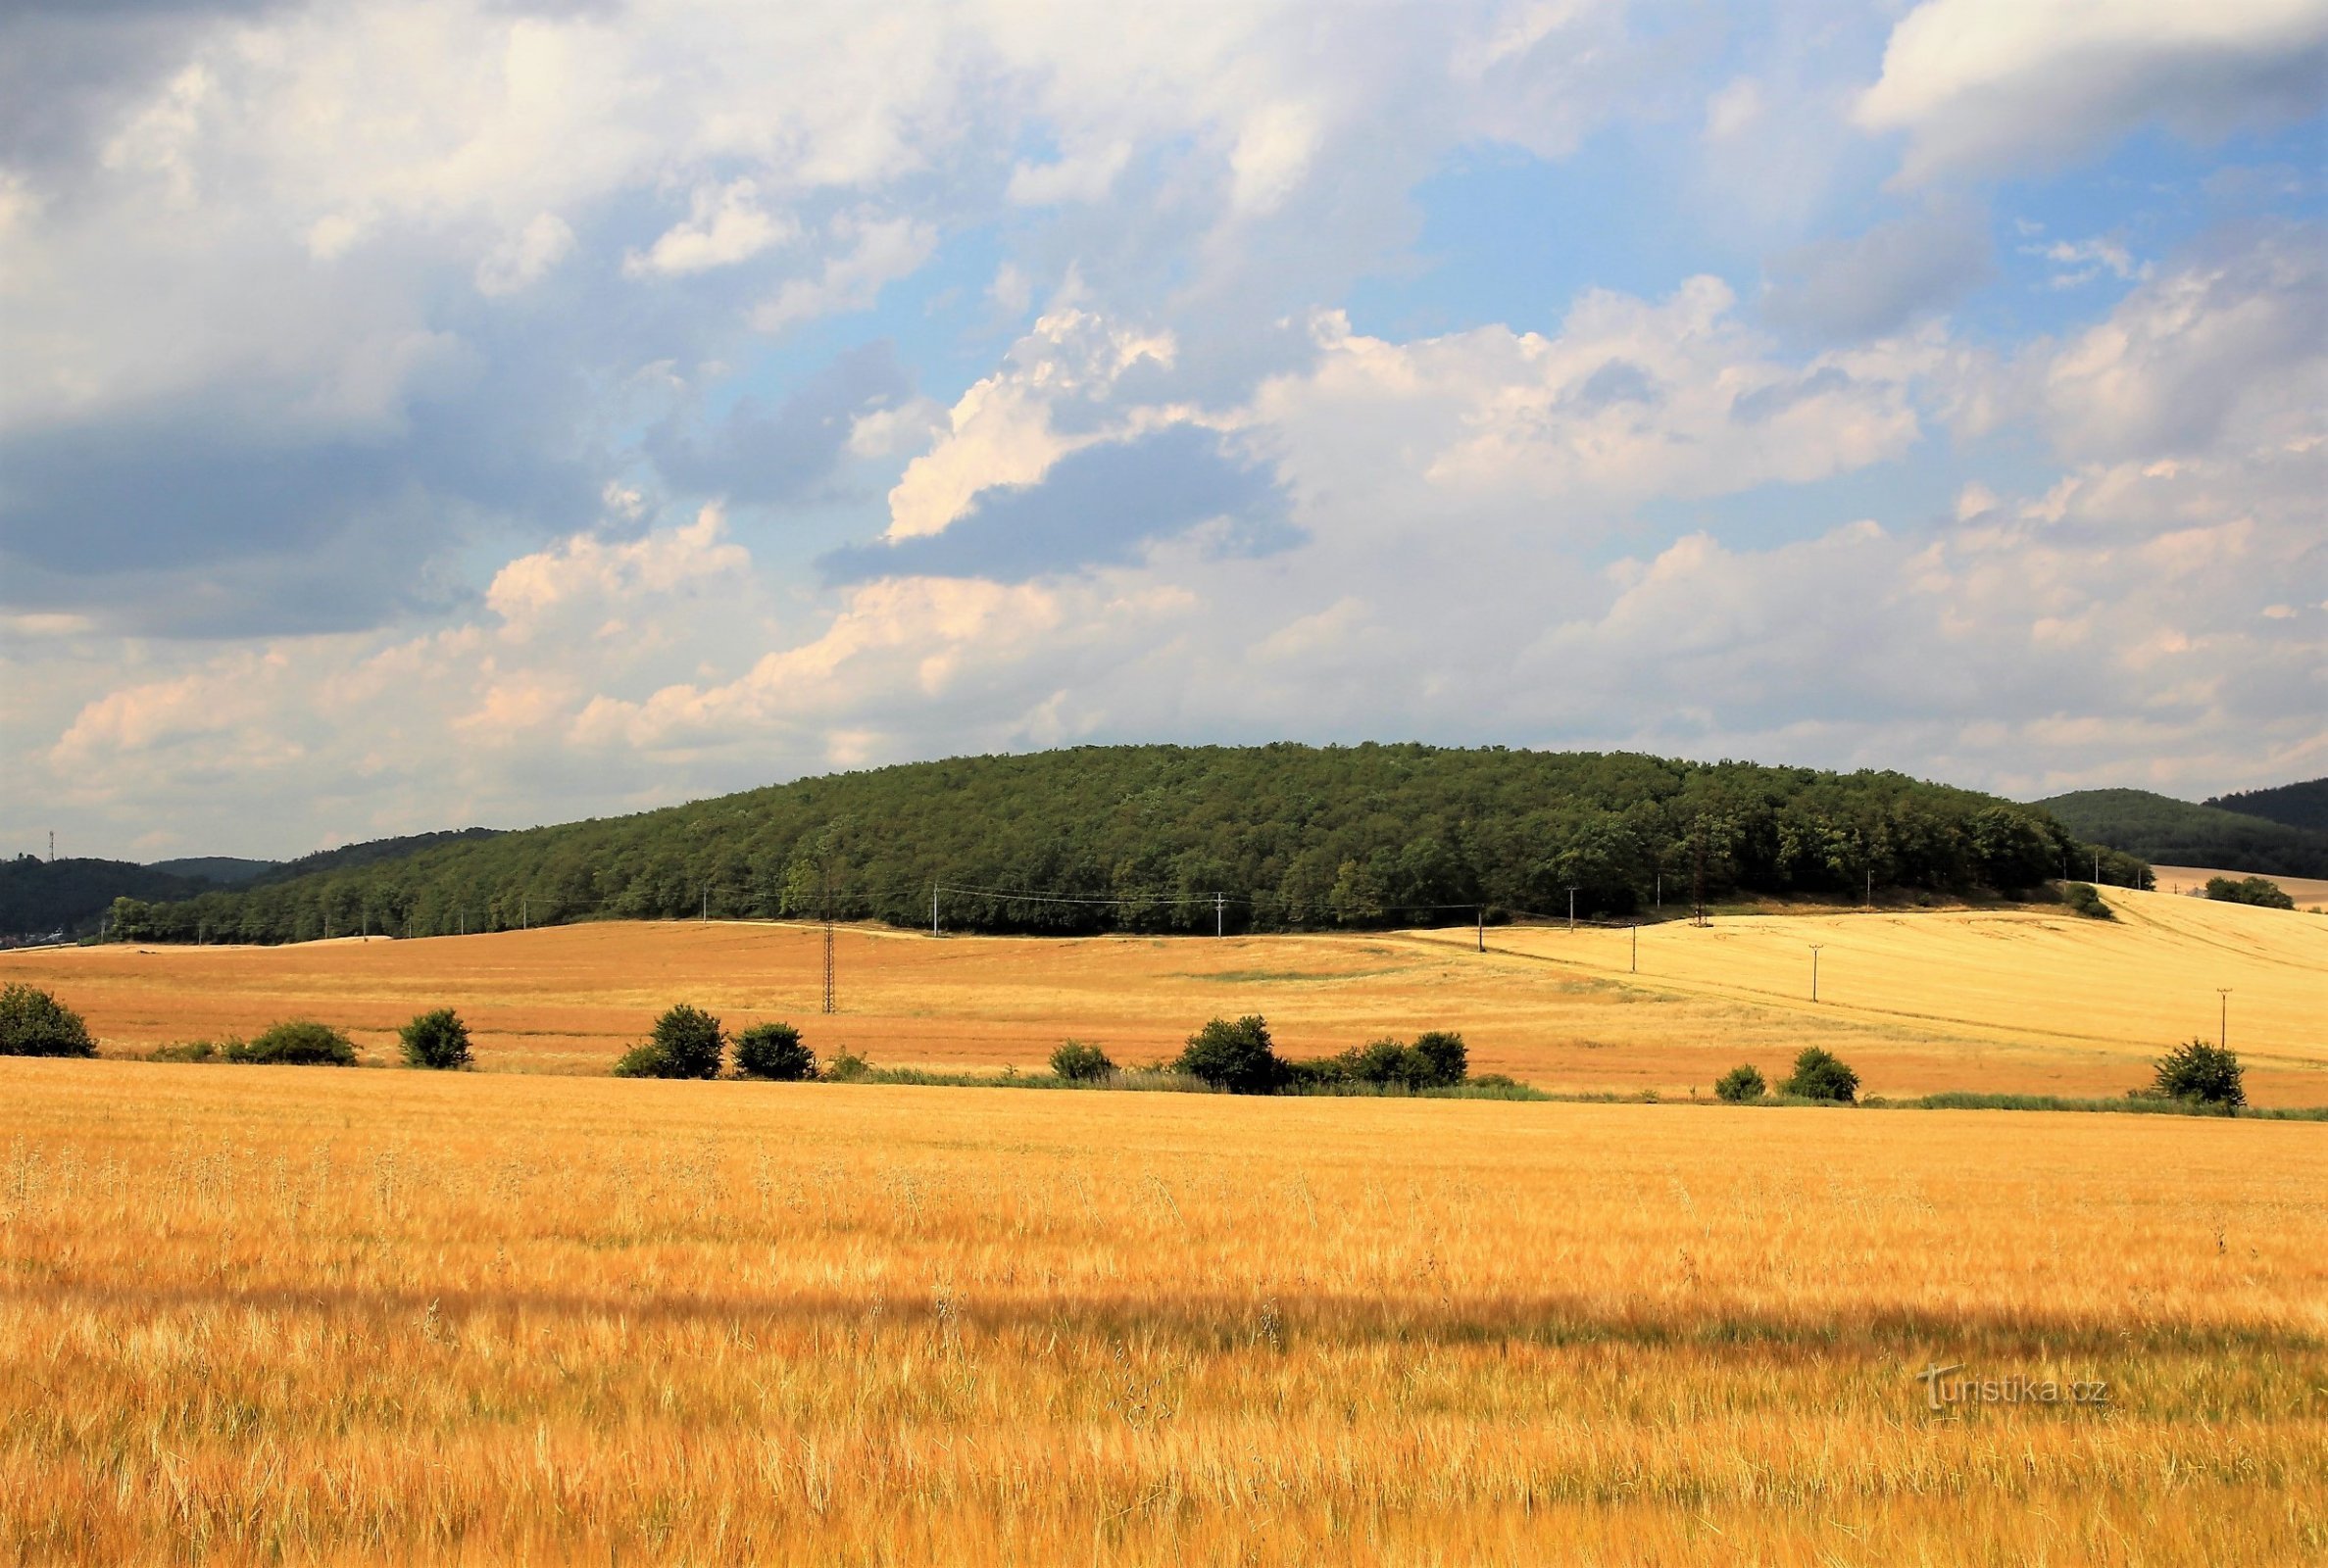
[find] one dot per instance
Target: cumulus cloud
(2232, 342)
(1980, 85)
(726, 226)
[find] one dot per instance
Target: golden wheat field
(296, 1316)
(2025, 999)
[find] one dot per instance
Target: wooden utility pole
(831, 990)
(1483, 928)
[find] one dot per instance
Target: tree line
(1175, 839)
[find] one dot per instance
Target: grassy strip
(1965, 1100)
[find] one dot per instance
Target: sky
(423, 414)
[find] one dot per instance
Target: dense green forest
(2170, 832)
(2303, 805)
(1144, 838)
(38, 897)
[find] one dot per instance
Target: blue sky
(432, 413)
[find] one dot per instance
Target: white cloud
(873, 252)
(1001, 431)
(2228, 344)
(726, 225)
(527, 257)
(1992, 84)
(1083, 176)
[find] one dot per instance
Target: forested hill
(41, 897)
(2303, 805)
(2171, 832)
(1144, 837)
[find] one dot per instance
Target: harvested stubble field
(2016, 999)
(281, 1314)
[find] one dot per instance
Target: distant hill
(38, 897)
(2170, 832)
(369, 853)
(224, 870)
(1142, 838)
(2303, 805)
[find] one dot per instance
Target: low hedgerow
(296, 1043)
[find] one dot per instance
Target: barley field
(2019, 1000)
(297, 1316)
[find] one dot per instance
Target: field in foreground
(272, 1314)
(2028, 1000)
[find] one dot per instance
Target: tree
(1741, 1083)
(1448, 1058)
(437, 1040)
(687, 1042)
(2199, 1071)
(1820, 1075)
(33, 1023)
(1236, 1056)
(1080, 1063)
(773, 1051)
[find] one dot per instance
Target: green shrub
(297, 1043)
(33, 1023)
(1080, 1063)
(773, 1051)
(1819, 1075)
(646, 1059)
(847, 1067)
(1236, 1057)
(2259, 891)
(2207, 1074)
(196, 1050)
(1741, 1083)
(437, 1040)
(2083, 900)
(1448, 1058)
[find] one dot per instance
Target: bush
(686, 1043)
(2207, 1074)
(437, 1040)
(773, 1051)
(1236, 1057)
(2083, 900)
(33, 1023)
(846, 1067)
(1080, 1063)
(1448, 1058)
(197, 1051)
(1820, 1075)
(1741, 1083)
(2259, 891)
(297, 1043)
